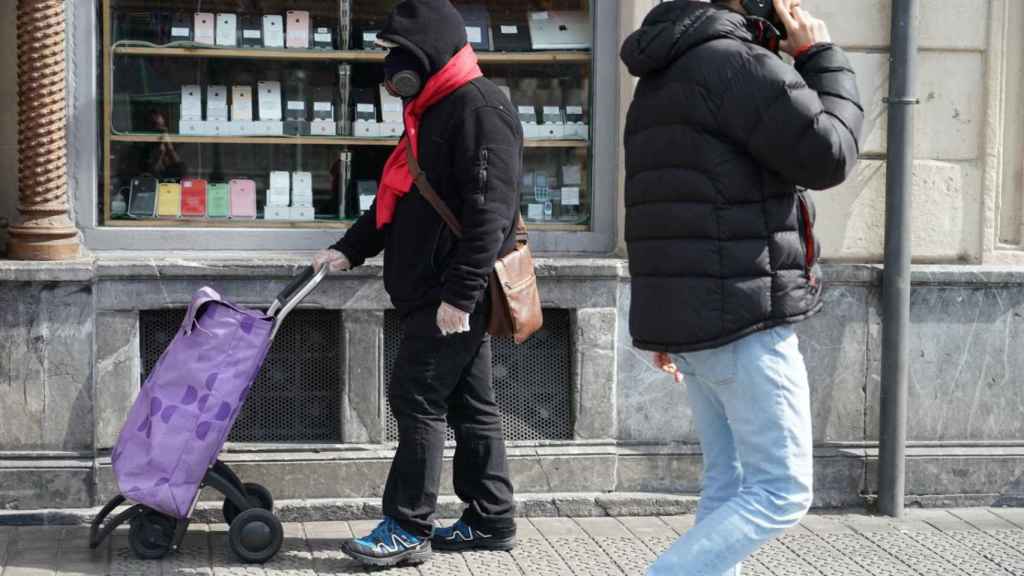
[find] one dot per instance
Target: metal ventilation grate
(532, 381)
(297, 395)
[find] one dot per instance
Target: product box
(217, 103)
(531, 127)
(366, 129)
(191, 102)
(241, 104)
(392, 125)
(554, 123)
(366, 191)
(302, 189)
(252, 31)
(273, 31)
(277, 212)
(323, 103)
(323, 38)
(323, 128)
(269, 95)
(576, 123)
(302, 213)
(204, 29)
(181, 27)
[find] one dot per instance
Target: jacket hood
(673, 28)
(433, 30)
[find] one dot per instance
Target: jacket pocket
(805, 217)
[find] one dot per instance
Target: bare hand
(451, 320)
(803, 29)
(335, 261)
(663, 362)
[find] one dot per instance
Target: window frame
(85, 149)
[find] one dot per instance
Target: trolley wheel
(256, 535)
(151, 535)
(259, 497)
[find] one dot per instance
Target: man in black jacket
(721, 140)
(468, 141)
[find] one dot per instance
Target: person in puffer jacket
(722, 139)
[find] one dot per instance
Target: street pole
(896, 281)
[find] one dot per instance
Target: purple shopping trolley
(167, 450)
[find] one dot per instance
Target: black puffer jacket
(721, 137)
(470, 146)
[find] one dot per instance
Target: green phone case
(217, 203)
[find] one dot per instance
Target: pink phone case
(243, 199)
(205, 27)
(297, 29)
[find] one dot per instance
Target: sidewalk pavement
(972, 542)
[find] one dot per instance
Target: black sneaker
(462, 536)
(388, 545)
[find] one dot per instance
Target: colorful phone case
(168, 203)
(218, 202)
(243, 199)
(142, 203)
(193, 198)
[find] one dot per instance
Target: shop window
(270, 113)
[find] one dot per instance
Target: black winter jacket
(470, 146)
(721, 138)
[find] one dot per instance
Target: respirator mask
(403, 73)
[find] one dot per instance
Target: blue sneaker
(461, 536)
(388, 545)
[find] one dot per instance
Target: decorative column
(45, 231)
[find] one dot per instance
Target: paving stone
(828, 524)
(780, 560)
(867, 555)
(992, 549)
(982, 519)
(325, 539)
(679, 523)
(940, 519)
(949, 550)
(913, 554)
(581, 553)
(653, 532)
(631, 555)
(534, 555)
(1012, 515)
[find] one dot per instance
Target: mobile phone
(297, 29)
(204, 28)
(273, 31)
(227, 30)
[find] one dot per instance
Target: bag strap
(435, 200)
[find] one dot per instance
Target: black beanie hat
(433, 30)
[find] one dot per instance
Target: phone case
(227, 30)
(142, 203)
(218, 200)
(181, 27)
(204, 29)
(252, 31)
(273, 31)
(169, 200)
(243, 199)
(297, 29)
(193, 198)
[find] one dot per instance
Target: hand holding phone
(803, 30)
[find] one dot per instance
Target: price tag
(535, 212)
(369, 37)
(475, 34)
(391, 106)
(367, 108)
(180, 32)
(323, 107)
(574, 110)
(540, 15)
(528, 114)
(366, 202)
(570, 196)
(252, 34)
(322, 37)
(296, 105)
(510, 30)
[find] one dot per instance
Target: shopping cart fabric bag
(186, 407)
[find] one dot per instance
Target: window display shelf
(545, 57)
(284, 224)
(307, 140)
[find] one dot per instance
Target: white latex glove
(451, 320)
(335, 261)
(663, 362)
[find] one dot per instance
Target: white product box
(269, 128)
(273, 31)
(297, 29)
(281, 180)
(365, 129)
(271, 212)
(323, 128)
(241, 104)
(532, 131)
(191, 102)
(302, 189)
(278, 197)
(217, 103)
(391, 129)
(390, 107)
(570, 196)
(303, 213)
(191, 128)
(552, 131)
(205, 24)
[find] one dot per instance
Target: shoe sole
(490, 544)
(410, 558)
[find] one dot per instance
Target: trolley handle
(298, 282)
(293, 294)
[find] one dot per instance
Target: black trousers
(436, 377)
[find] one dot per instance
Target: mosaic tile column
(44, 231)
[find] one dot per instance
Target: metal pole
(896, 282)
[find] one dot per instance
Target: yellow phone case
(169, 200)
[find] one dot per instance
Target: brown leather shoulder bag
(515, 299)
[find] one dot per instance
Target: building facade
(585, 412)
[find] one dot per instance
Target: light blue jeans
(751, 406)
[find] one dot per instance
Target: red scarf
(397, 180)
